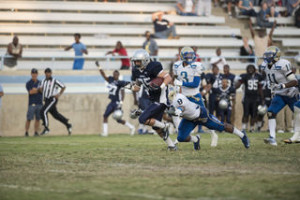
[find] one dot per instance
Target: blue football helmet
(187, 55)
(272, 55)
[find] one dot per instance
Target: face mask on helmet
(188, 56)
(269, 57)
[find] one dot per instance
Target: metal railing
(205, 59)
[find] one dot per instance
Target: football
(155, 83)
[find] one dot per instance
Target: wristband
(162, 86)
(283, 85)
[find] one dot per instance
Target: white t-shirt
(220, 64)
(188, 6)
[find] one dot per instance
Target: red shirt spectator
(122, 52)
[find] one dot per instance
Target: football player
(283, 82)
(143, 73)
(252, 89)
(187, 74)
(193, 114)
(116, 95)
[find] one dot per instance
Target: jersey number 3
(184, 76)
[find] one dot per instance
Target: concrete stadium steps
(285, 32)
(71, 6)
(284, 21)
(132, 30)
(65, 17)
(54, 41)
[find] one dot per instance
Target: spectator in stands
(204, 8)
(218, 60)
(35, 102)
(162, 27)
(186, 8)
(14, 49)
(291, 5)
(79, 49)
(246, 8)
(198, 59)
(247, 50)
(263, 16)
(271, 8)
(121, 51)
(229, 6)
(150, 45)
(262, 40)
(1, 114)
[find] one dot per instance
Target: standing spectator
(218, 60)
(79, 49)
(291, 5)
(186, 8)
(227, 93)
(246, 8)
(263, 17)
(49, 88)
(1, 95)
(150, 45)
(35, 102)
(119, 49)
(15, 50)
(162, 27)
(247, 50)
(204, 8)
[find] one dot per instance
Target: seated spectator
(246, 8)
(291, 5)
(229, 6)
(218, 60)
(271, 8)
(247, 50)
(79, 49)
(162, 27)
(121, 52)
(14, 49)
(263, 17)
(204, 8)
(150, 45)
(186, 8)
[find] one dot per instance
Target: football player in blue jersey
(116, 95)
(144, 71)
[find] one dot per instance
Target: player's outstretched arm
(101, 71)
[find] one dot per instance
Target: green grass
(139, 167)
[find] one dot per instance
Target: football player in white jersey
(282, 81)
(187, 75)
(193, 115)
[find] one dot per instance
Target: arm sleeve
(60, 84)
(193, 84)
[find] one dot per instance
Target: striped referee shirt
(50, 87)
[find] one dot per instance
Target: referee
(49, 88)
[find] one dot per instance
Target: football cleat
(172, 148)
(270, 141)
(165, 132)
(289, 141)
(132, 131)
(36, 134)
(26, 134)
(245, 140)
(69, 128)
(197, 144)
(45, 131)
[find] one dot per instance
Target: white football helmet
(143, 56)
(223, 104)
(118, 114)
(262, 109)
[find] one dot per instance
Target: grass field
(139, 167)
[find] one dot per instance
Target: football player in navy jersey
(116, 95)
(252, 82)
(214, 80)
(225, 92)
(143, 73)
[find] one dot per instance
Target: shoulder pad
(177, 64)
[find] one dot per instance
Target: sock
(105, 129)
(296, 135)
(272, 128)
(169, 142)
(244, 126)
(194, 139)
(259, 124)
(238, 132)
(159, 124)
(251, 128)
(141, 126)
(176, 121)
(129, 125)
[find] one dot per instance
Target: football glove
(278, 86)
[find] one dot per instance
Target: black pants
(50, 106)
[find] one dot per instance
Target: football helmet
(223, 104)
(143, 56)
(187, 55)
(118, 114)
(272, 55)
(262, 109)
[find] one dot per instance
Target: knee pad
(271, 115)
